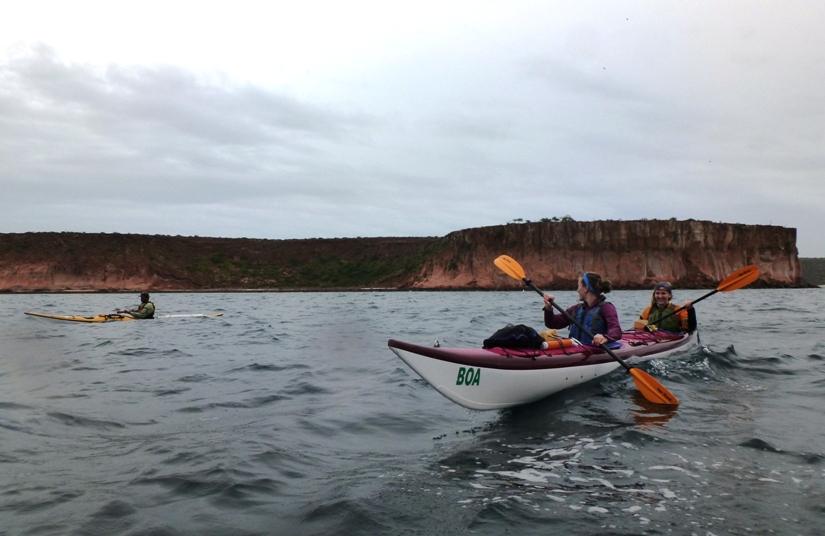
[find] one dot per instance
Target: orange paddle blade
(509, 266)
(651, 389)
(739, 278)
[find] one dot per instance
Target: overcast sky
(343, 119)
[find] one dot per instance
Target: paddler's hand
(547, 299)
(688, 305)
(600, 339)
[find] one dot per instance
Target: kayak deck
(635, 344)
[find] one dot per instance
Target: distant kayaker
(660, 306)
(145, 310)
(594, 312)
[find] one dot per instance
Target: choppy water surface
(289, 415)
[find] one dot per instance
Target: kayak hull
(487, 379)
(97, 319)
(101, 318)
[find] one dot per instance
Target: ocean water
(289, 415)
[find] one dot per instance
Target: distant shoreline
(632, 254)
(356, 290)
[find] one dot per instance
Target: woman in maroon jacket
(594, 312)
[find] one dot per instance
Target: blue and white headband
(588, 285)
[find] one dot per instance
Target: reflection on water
(649, 414)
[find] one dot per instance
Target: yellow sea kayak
(111, 317)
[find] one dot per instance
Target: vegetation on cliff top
(329, 270)
(220, 263)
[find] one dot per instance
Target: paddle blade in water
(739, 279)
(509, 266)
(651, 389)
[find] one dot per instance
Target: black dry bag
(511, 336)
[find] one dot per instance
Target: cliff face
(54, 262)
(631, 254)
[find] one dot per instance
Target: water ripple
(289, 415)
(83, 422)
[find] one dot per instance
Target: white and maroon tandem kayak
(502, 377)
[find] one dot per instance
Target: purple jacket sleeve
(611, 318)
(558, 321)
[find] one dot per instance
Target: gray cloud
(658, 113)
(105, 133)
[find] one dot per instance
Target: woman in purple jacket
(594, 312)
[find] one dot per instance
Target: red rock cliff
(57, 262)
(632, 254)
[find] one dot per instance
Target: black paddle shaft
(578, 324)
